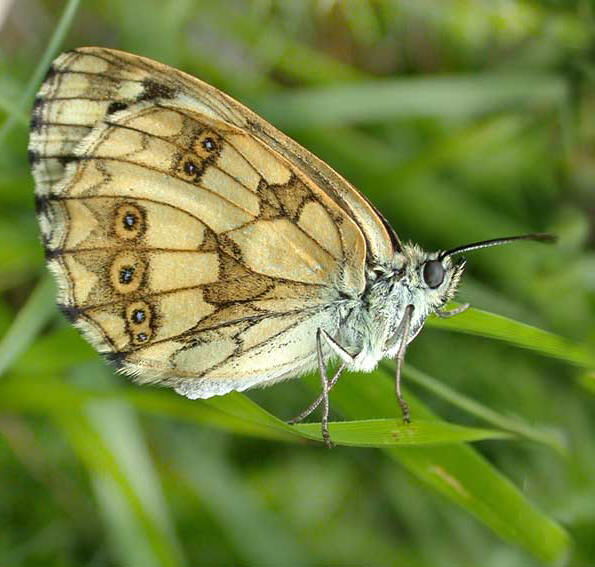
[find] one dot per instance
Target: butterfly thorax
(371, 329)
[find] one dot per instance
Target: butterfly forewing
(191, 241)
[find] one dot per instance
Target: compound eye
(434, 273)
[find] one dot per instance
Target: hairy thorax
(371, 326)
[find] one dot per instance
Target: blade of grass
(467, 479)
(513, 425)
(477, 322)
(36, 312)
(55, 352)
(391, 432)
(24, 253)
(368, 433)
(457, 472)
(14, 110)
(378, 101)
(253, 528)
(235, 413)
(50, 395)
(461, 475)
(57, 38)
(277, 51)
(108, 440)
(587, 381)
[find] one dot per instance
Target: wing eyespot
(140, 322)
(209, 144)
(138, 316)
(129, 221)
(190, 168)
(126, 273)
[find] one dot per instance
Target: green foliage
(460, 121)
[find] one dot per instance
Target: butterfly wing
(192, 243)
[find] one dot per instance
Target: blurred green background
(461, 120)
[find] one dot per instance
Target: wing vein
(150, 168)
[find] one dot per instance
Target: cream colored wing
(185, 248)
(96, 80)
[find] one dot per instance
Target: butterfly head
(433, 278)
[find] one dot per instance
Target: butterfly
(196, 246)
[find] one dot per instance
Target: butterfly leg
(327, 385)
(453, 312)
(325, 390)
(403, 332)
(319, 399)
(346, 358)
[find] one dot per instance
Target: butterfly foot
(327, 439)
(453, 312)
(405, 410)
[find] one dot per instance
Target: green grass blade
(375, 101)
(391, 432)
(108, 440)
(367, 433)
(56, 40)
(254, 530)
(513, 425)
(457, 471)
(461, 474)
(587, 380)
(235, 413)
(54, 353)
(239, 405)
(165, 403)
(49, 395)
(13, 110)
(36, 312)
(467, 479)
(477, 322)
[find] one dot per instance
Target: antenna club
(536, 236)
(545, 237)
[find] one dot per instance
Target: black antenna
(538, 236)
